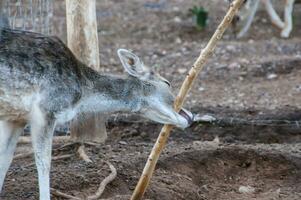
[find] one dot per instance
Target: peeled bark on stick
(186, 86)
(83, 41)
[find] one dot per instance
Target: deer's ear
(131, 63)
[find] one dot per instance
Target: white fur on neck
(93, 104)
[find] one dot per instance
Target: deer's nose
(187, 115)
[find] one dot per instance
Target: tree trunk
(83, 41)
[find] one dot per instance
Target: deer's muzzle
(187, 115)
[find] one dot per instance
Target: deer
(251, 7)
(43, 84)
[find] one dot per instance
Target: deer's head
(157, 98)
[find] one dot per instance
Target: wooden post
(186, 86)
(82, 39)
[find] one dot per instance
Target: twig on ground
(83, 155)
(77, 143)
(99, 191)
(105, 182)
(64, 195)
(67, 145)
(29, 153)
(56, 139)
(23, 155)
(54, 158)
(186, 86)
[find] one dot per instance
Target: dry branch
(99, 191)
(105, 182)
(186, 86)
(82, 154)
(23, 155)
(56, 139)
(64, 195)
(54, 158)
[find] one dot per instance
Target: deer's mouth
(187, 115)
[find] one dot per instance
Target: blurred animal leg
(9, 134)
(252, 13)
(288, 12)
(273, 15)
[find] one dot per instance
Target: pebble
(234, 65)
(231, 48)
(182, 70)
(271, 76)
(176, 9)
(246, 190)
(178, 40)
(201, 89)
(177, 20)
(298, 88)
(204, 118)
(122, 142)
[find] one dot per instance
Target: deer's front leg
(251, 16)
(273, 15)
(42, 127)
(288, 12)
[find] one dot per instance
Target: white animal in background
(251, 6)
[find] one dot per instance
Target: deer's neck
(107, 93)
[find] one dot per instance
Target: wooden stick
(186, 86)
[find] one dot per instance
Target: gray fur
(42, 83)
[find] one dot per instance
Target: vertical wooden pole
(82, 39)
(186, 86)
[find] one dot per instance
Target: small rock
(204, 118)
(272, 76)
(122, 142)
(205, 187)
(264, 20)
(250, 41)
(176, 9)
(201, 89)
(244, 61)
(298, 88)
(112, 60)
(197, 143)
(182, 70)
(178, 40)
(246, 190)
(230, 48)
(177, 19)
(143, 134)
(216, 140)
(220, 66)
(234, 65)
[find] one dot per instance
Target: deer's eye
(168, 83)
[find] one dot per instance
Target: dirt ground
(254, 78)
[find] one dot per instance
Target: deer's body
(34, 70)
(42, 84)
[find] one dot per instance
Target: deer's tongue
(187, 115)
